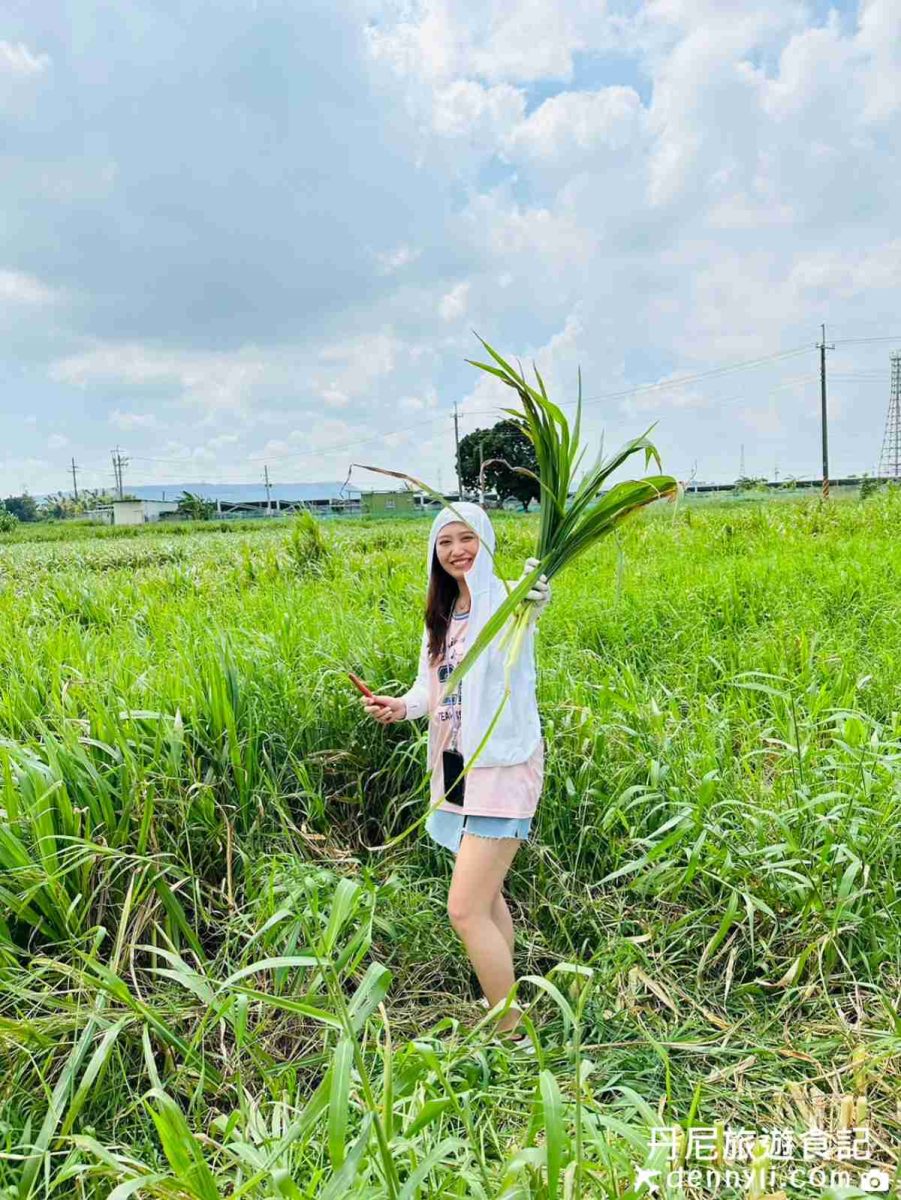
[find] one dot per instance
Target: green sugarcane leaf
(372, 991)
(339, 1185)
(436, 1155)
(92, 1073)
(287, 1004)
(491, 371)
(55, 1109)
(130, 1186)
(339, 1101)
(344, 901)
(430, 1111)
(269, 964)
(555, 1138)
(492, 626)
(182, 1148)
(500, 361)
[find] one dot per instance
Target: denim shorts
(447, 828)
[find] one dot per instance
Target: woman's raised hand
(540, 591)
(385, 709)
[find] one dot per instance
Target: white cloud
(356, 366)
(216, 383)
(494, 40)
(390, 261)
(428, 399)
(466, 108)
(847, 274)
(334, 397)
(20, 61)
(722, 217)
(453, 304)
(567, 126)
(16, 287)
(504, 232)
(56, 441)
(133, 420)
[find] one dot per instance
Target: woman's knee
(463, 910)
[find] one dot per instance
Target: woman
(500, 793)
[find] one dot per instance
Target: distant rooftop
(238, 493)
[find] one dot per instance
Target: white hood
(517, 732)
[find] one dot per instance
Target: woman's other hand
(539, 593)
(385, 709)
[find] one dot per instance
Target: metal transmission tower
(890, 455)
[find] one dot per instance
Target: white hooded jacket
(518, 730)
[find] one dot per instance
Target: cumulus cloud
(569, 126)
(453, 303)
(648, 190)
(16, 287)
(17, 60)
(132, 420)
(496, 40)
(468, 108)
(214, 382)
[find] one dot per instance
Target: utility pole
(75, 480)
(119, 461)
(457, 446)
(268, 492)
(741, 465)
(823, 415)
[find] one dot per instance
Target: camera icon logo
(874, 1181)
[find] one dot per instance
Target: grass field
(213, 983)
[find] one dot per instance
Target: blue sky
(239, 234)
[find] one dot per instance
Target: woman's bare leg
(500, 914)
(479, 872)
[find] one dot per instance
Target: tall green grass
(212, 985)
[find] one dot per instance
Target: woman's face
(457, 546)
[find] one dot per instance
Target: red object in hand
(360, 685)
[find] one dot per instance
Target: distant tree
(24, 507)
(869, 486)
(751, 483)
(195, 508)
(8, 520)
(58, 505)
(510, 448)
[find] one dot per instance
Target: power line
(642, 389)
(823, 418)
(862, 341)
(662, 385)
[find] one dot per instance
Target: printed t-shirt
(505, 791)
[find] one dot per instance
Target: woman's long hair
(443, 591)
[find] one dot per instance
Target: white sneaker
(521, 1042)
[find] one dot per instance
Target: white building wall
(140, 512)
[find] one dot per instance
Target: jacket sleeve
(417, 698)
